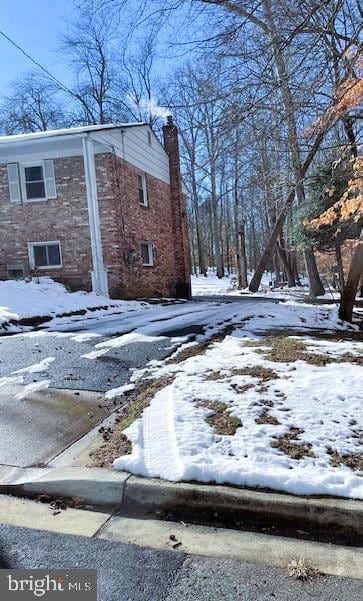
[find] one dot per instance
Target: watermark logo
(70, 585)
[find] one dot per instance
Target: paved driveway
(51, 391)
(44, 413)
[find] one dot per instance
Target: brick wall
(124, 224)
(64, 218)
(178, 205)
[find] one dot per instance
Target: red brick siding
(64, 218)
(181, 239)
(135, 224)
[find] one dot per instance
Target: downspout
(99, 273)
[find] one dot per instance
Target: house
(98, 207)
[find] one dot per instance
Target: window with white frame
(44, 255)
(33, 181)
(141, 183)
(147, 254)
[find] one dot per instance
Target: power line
(39, 65)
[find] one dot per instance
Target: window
(29, 182)
(141, 181)
(34, 182)
(44, 255)
(147, 254)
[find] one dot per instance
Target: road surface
(131, 573)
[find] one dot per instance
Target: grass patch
(350, 358)
(287, 444)
(352, 460)
(257, 371)
(283, 349)
(200, 347)
(117, 444)
(214, 375)
(241, 389)
(221, 421)
(267, 418)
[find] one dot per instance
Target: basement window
(147, 254)
(141, 183)
(44, 255)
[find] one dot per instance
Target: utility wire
(39, 65)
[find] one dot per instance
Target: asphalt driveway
(52, 390)
(44, 413)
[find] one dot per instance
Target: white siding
(132, 144)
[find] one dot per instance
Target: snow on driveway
(21, 299)
(233, 415)
(208, 318)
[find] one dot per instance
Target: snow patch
(172, 439)
(37, 367)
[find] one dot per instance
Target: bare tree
(32, 106)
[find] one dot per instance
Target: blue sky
(34, 25)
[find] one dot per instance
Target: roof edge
(70, 131)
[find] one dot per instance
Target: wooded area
(267, 96)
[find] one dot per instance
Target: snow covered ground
(213, 286)
(21, 299)
(235, 413)
(292, 422)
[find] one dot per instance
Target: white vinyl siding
(134, 147)
(45, 255)
(14, 182)
(147, 254)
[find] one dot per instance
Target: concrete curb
(93, 486)
(158, 494)
(104, 488)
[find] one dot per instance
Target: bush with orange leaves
(348, 209)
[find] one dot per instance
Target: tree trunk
(243, 257)
(215, 225)
(284, 260)
(293, 263)
(338, 254)
(255, 282)
(277, 269)
(351, 286)
(298, 168)
(315, 283)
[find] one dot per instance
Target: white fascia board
(44, 148)
(68, 131)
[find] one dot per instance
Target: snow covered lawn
(20, 300)
(213, 286)
(278, 412)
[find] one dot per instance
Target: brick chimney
(178, 203)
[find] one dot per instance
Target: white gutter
(99, 273)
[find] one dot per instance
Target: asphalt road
(130, 573)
